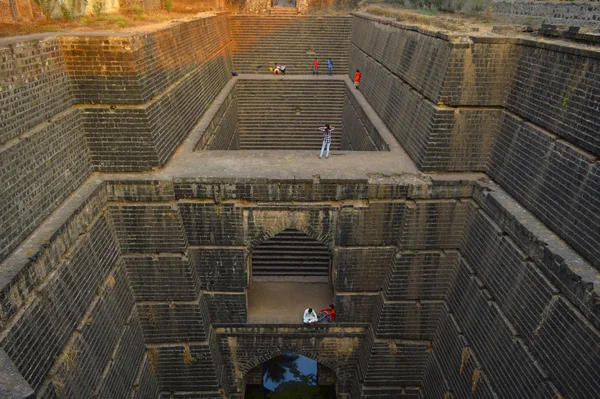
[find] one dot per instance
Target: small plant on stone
(477, 6)
(188, 359)
(66, 12)
(97, 7)
(417, 3)
(47, 7)
(138, 10)
(565, 101)
(118, 20)
(168, 5)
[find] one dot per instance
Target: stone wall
(359, 132)
(215, 224)
(454, 280)
(536, 13)
(265, 6)
(68, 316)
(223, 131)
(43, 152)
(424, 86)
(76, 103)
(532, 128)
(336, 347)
(546, 153)
(510, 304)
(166, 279)
(158, 85)
(259, 42)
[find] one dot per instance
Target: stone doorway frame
(284, 3)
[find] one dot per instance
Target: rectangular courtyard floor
(284, 302)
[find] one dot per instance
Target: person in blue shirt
(330, 66)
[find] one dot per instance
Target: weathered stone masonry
(74, 104)
(446, 285)
(532, 128)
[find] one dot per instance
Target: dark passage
(291, 376)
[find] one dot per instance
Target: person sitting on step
(310, 317)
(277, 70)
(282, 69)
(327, 314)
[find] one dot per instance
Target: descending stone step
(290, 254)
(260, 41)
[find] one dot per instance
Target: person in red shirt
(356, 79)
(327, 314)
(316, 66)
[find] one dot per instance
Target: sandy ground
(284, 302)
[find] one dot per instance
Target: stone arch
(247, 347)
(275, 221)
(273, 353)
(267, 235)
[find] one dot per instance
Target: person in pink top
(316, 66)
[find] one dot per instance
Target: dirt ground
(285, 302)
(477, 22)
(114, 22)
(183, 9)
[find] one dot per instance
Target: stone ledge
(341, 329)
(575, 277)
(12, 383)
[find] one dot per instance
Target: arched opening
(289, 273)
(290, 376)
(284, 3)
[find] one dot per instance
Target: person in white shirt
(310, 316)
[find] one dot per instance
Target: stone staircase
(285, 114)
(259, 42)
(291, 255)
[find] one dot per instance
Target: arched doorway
(284, 3)
(289, 273)
(290, 375)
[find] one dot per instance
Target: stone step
(284, 129)
(300, 135)
(290, 147)
(285, 259)
(297, 137)
(306, 108)
(287, 144)
(287, 273)
(284, 90)
(313, 118)
(290, 253)
(268, 251)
